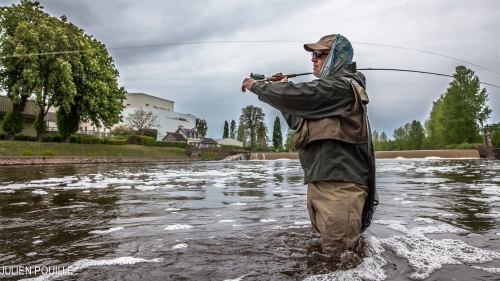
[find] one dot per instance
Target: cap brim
(315, 46)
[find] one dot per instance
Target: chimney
(181, 127)
(194, 129)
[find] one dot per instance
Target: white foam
(224, 221)
(178, 227)
(280, 191)
(249, 197)
(179, 246)
(31, 254)
(7, 191)
(124, 187)
(287, 206)
(490, 215)
(172, 209)
(238, 204)
(491, 270)
(106, 231)
(302, 222)
(446, 215)
(19, 204)
(39, 192)
(426, 220)
(267, 220)
(489, 199)
(237, 279)
(37, 242)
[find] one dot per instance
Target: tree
(232, 130)
(384, 142)
(142, 119)
(98, 98)
(262, 138)
(242, 134)
(201, 126)
(375, 140)
(225, 134)
(288, 142)
(433, 127)
(251, 118)
(277, 136)
(122, 130)
(416, 135)
(464, 107)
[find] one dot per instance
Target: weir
(455, 153)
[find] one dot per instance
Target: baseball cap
(325, 43)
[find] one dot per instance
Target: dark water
(438, 220)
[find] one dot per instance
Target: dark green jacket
(321, 160)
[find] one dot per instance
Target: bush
(148, 133)
(48, 153)
(179, 144)
(116, 142)
(27, 153)
(24, 138)
(89, 140)
(122, 130)
(495, 139)
(51, 138)
(232, 147)
(209, 156)
(134, 139)
(463, 146)
(75, 139)
(148, 141)
(2, 136)
(103, 140)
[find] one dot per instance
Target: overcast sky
(205, 79)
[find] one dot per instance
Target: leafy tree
(262, 138)
(232, 130)
(142, 119)
(67, 123)
(433, 127)
(201, 126)
(251, 118)
(416, 135)
(384, 142)
(277, 136)
(242, 134)
(288, 142)
(401, 137)
(464, 107)
(98, 98)
(122, 130)
(225, 134)
(375, 140)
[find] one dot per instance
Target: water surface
(246, 220)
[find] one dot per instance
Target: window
(128, 104)
(147, 104)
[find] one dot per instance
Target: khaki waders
(335, 210)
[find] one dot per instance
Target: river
(438, 219)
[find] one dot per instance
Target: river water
(438, 219)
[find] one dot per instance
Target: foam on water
(238, 204)
(172, 209)
(106, 231)
(39, 192)
(491, 270)
(267, 220)
(179, 246)
(178, 227)
(489, 199)
(490, 215)
(427, 255)
(225, 221)
(426, 220)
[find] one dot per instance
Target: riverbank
(55, 160)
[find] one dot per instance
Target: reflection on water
(438, 220)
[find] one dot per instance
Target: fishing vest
(350, 127)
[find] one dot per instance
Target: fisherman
(337, 154)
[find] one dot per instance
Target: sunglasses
(318, 54)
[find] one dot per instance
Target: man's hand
(247, 84)
(280, 77)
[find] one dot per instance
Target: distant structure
(191, 136)
(169, 119)
(229, 141)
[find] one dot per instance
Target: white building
(230, 142)
(168, 119)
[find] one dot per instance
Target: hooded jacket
(325, 159)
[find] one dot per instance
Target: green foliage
(67, 124)
(20, 137)
(123, 130)
(27, 153)
(232, 147)
(116, 142)
(201, 126)
(434, 128)
(241, 134)
(48, 153)
(225, 134)
(148, 133)
(148, 141)
(232, 130)
(277, 135)
(179, 144)
(40, 126)
(459, 146)
(13, 122)
(409, 137)
(51, 138)
(288, 142)
(89, 140)
(464, 107)
(210, 156)
(252, 119)
(262, 138)
(134, 139)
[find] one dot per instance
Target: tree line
(53, 63)
(252, 131)
(457, 119)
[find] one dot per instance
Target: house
(191, 136)
(230, 142)
(207, 142)
(174, 137)
(29, 114)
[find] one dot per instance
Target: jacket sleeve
(331, 96)
(292, 121)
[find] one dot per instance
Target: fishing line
(244, 41)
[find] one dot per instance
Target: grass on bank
(16, 148)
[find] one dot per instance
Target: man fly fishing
(333, 140)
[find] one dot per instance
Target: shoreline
(64, 160)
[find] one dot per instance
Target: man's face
(318, 62)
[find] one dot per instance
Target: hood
(340, 55)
